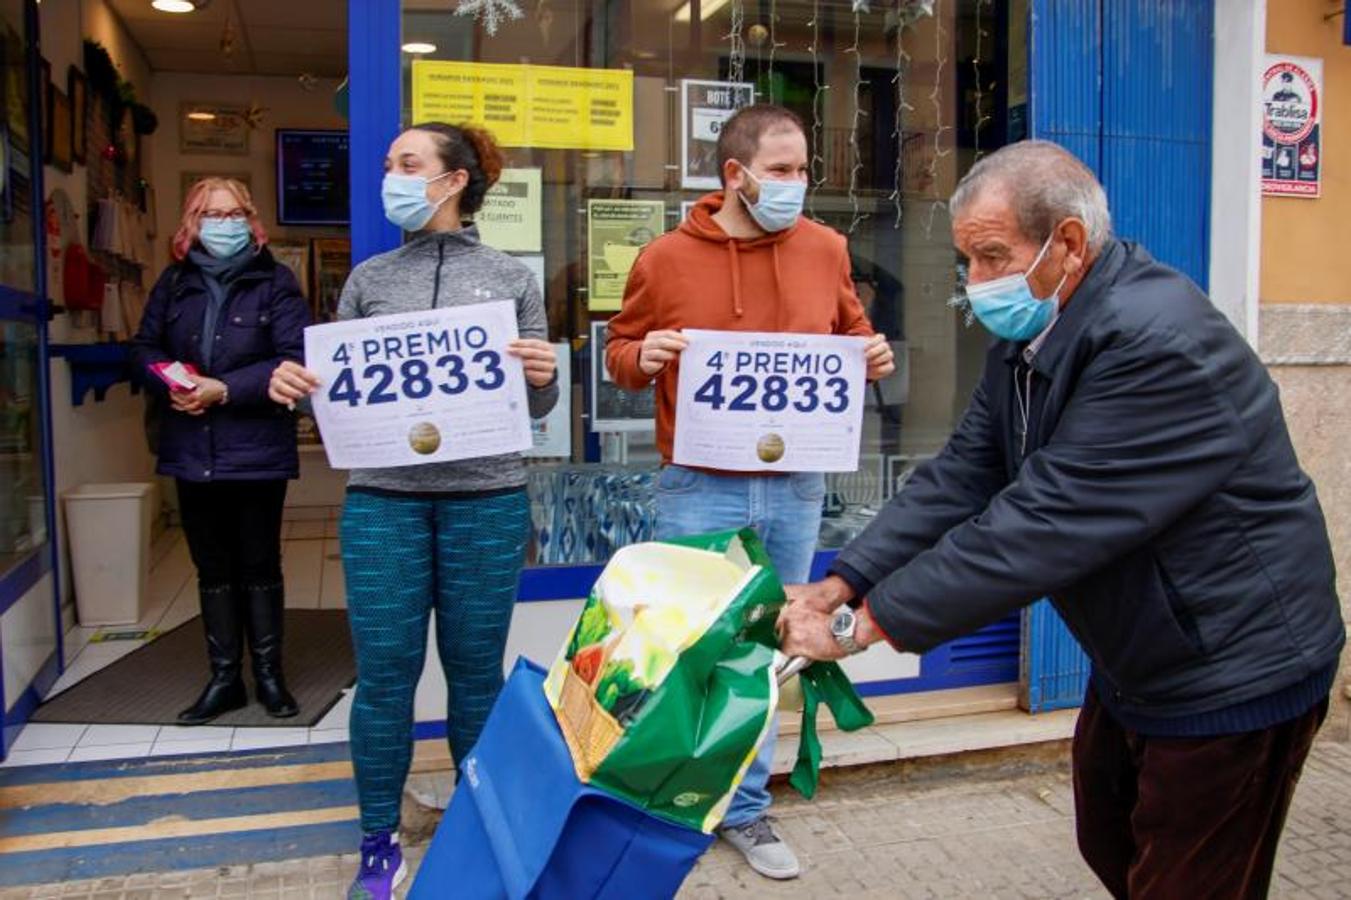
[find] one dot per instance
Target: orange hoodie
(697, 277)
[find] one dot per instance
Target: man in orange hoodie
(744, 260)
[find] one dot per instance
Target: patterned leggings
(403, 558)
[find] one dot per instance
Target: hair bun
(490, 158)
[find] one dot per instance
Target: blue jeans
(786, 512)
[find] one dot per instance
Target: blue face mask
(406, 203)
(779, 205)
(1007, 308)
(223, 238)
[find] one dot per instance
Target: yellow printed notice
(551, 107)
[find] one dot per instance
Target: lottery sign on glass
(753, 402)
(419, 387)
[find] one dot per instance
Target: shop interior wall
(94, 442)
(1304, 258)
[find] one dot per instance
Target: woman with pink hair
(222, 316)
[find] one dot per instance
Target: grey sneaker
(766, 852)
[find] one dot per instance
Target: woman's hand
(210, 391)
(539, 359)
(290, 383)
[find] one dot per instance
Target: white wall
(287, 105)
(95, 442)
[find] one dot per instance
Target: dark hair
(472, 149)
(741, 134)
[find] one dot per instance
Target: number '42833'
(774, 393)
(415, 379)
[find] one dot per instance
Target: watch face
(843, 623)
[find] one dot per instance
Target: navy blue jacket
(1156, 500)
(261, 324)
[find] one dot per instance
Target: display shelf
(96, 367)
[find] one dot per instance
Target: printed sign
(510, 219)
(419, 387)
(612, 407)
(753, 402)
(1292, 126)
(705, 106)
(616, 231)
(553, 433)
(553, 107)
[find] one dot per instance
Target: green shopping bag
(666, 685)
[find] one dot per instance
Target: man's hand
(880, 358)
(659, 349)
(823, 596)
(804, 631)
(539, 359)
(209, 392)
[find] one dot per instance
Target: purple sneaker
(382, 867)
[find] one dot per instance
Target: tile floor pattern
(314, 580)
(870, 834)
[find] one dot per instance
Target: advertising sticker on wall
(1292, 126)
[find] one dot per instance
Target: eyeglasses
(220, 214)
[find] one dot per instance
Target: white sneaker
(766, 852)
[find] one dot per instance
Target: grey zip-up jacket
(437, 270)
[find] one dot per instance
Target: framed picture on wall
(188, 179)
(213, 128)
(59, 147)
(16, 90)
(78, 89)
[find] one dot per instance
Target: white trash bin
(108, 526)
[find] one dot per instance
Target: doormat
(153, 684)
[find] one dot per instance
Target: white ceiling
(271, 37)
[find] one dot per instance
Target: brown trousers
(1185, 817)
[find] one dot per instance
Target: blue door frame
(33, 308)
(1126, 85)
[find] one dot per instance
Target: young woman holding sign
(450, 536)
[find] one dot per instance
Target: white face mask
(780, 202)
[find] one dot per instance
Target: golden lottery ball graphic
(424, 438)
(769, 448)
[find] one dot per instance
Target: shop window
(899, 99)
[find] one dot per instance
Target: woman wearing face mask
(449, 537)
(228, 313)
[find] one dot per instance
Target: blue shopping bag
(521, 825)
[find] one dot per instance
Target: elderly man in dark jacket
(1126, 455)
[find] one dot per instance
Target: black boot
(266, 607)
(223, 620)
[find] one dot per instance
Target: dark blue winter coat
(1153, 494)
(261, 324)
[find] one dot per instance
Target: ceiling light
(202, 116)
(174, 6)
(419, 47)
(707, 10)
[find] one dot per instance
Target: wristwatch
(843, 627)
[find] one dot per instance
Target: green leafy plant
(592, 627)
(616, 680)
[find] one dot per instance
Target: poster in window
(616, 230)
(16, 90)
(332, 264)
(295, 255)
(553, 433)
(78, 89)
(511, 218)
(1292, 125)
(704, 107)
(612, 407)
(213, 128)
(60, 150)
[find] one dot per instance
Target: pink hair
(195, 204)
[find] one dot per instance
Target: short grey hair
(1045, 184)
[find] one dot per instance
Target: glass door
(29, 614)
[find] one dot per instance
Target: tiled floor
(314, 580)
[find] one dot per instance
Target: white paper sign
(753, 402)
(553, 433)
(420, 387)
